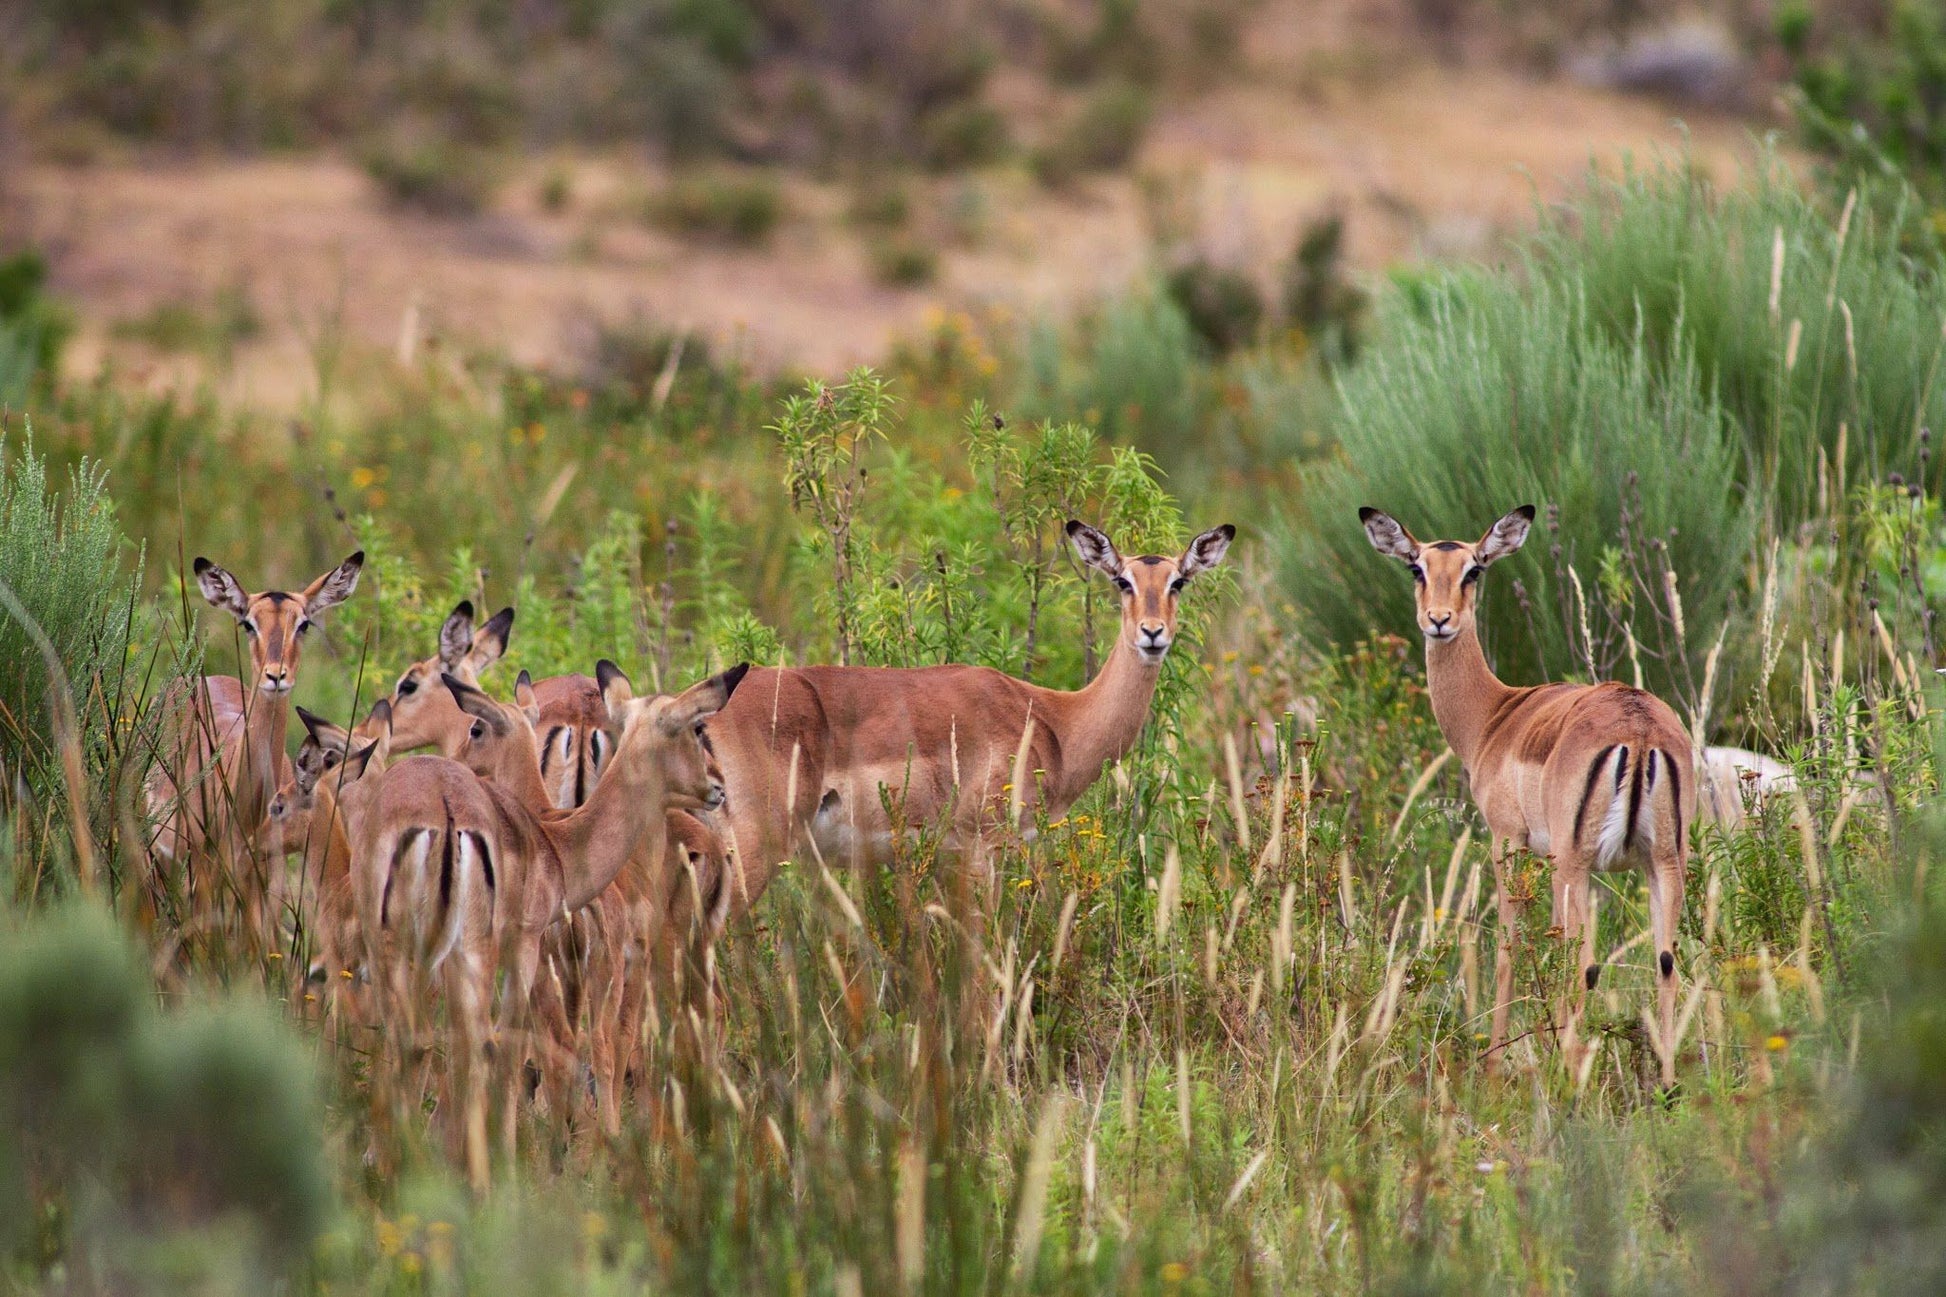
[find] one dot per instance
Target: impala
(502, 747)
(1593, 776)
(811, 754)
(304, 820)
(423, 714)
(225, 757)
(621, 941)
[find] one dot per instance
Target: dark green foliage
(1870, 82)
(33, 328)
(741, 208)
(63, 557)
(962, 135)
(1484, 394)
(1318, 296)
(1102, 134)
(140, 1123)
(1222, 305)
(435, 176)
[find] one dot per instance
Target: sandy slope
(1422, 162)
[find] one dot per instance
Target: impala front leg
(1503, 958)
(1574, 916)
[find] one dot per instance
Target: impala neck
(1104, 719)
(520, 773)
(1464, 690)
(597, 839)
(327, 848)
(266, 721)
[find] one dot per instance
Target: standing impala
(1591, 775)
(810, 754)
(502, 747)
(226, 756)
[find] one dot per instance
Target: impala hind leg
(467, 992)
(1666, 882)
(1574, 915)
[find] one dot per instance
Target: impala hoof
(1593, 975)
(1668, 964)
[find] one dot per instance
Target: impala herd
(549, 852)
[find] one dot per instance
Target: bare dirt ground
(1422, 162)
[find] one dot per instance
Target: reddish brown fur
(1533, 758)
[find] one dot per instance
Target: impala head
(326, 749)
(1446, 573)
(275, 622)
(1150, 585)
(669, 729)
(423, 713)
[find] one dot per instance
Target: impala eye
(478, 731)
(250, 629)
(1472, 575)
(1418, 573)
(407, 686)
(1123, 584)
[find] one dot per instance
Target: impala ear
(1206, 551)
(327, 734)
(221, 589)
(490, 641)
(357, 763)
(1095, 549)
(1505, 536)
(313, 759)
(379, 719)
(456, 636)
(475, 703)
(524, 697)
(703, 699)
(335, 586)
(616, 691)
(1387, 536)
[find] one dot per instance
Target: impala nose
(716, 796)
(276, 679)
(1438, 624)
(1152, 636)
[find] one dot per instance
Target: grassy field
(1218, 1029)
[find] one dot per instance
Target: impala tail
(432, 878)
(1633, 781)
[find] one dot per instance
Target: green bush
(33, 329)
(1102, 136)
(1481, 394)
(962, 135)
(435, 176)
(1223, 306)
(903, 262)
(62, 559)
(123, 1126)
(736, 207)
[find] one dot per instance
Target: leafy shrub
(737, 207)
(1102, 136)
(1870, 84)
(903, 263)
(1223, 306)
(1481, 394)
(33, 329)
(61, 557)
(435, 176)
(1841, 331)
(1318, 296)
(962, 135)
(145, 1124)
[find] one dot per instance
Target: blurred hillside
(243, 192)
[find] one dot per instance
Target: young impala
(811, 754)
(1592, 775)
(224, 757)
(502, 747)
